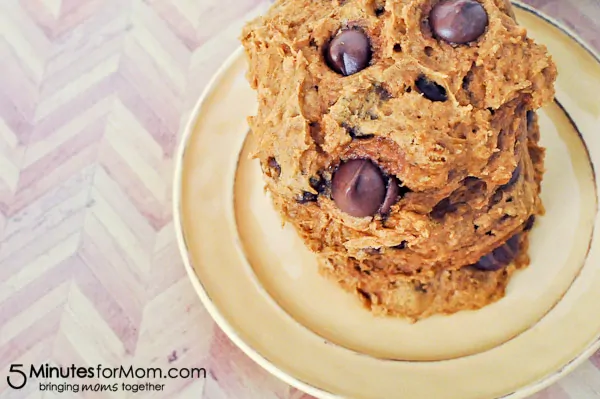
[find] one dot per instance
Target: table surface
(94, 95)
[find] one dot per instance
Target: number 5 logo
(16, 368)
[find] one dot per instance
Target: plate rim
(226, 327)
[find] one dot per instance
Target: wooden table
(93, 98)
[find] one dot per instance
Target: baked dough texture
(469, 167)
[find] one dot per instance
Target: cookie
(400, 139)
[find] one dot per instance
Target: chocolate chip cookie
(400, 139)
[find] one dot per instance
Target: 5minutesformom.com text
(19, 376)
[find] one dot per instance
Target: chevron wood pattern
(93, 98)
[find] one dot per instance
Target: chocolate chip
(467, 82)
(442, 208)
(397, 48)
(530, 119)
(431, 90)
(474, 184)
(488, 263)
(496, 198)
(349, 52)
(391, 196)
(393, 193)
(503, 255)
(529, 223)
(307, 197)
(358, 188)
(314, 182)
(402, 245)
(420, 287)
(274, 165)
(318, 184)
(458, 21)
(382, 92)
(355, 133)
(515, 176)
(373, 251)
(379, 11)
(500, 257)
(513, 242)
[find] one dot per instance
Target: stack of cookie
(400, 139)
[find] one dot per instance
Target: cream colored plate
(262, 287)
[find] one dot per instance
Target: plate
(262, 287)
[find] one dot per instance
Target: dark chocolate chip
(458, 21)
(500, 257)
(355, 133)
(383, 94)
(318, 184)
(530, 119)
(358, 188)
(314, 182)
(467, 81)
(496, 198)
(397, 48)
(515, 177)
(474, 184)
(431, 90)
(402, 245)
(307, 197)
(487, 263)
(513, 242)
(442, 208)
(392, 195)
(274, 165)
(373, 251)
(529, 223)
(503, 255)
(379, 11)
(349, 52)
(420, 287)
